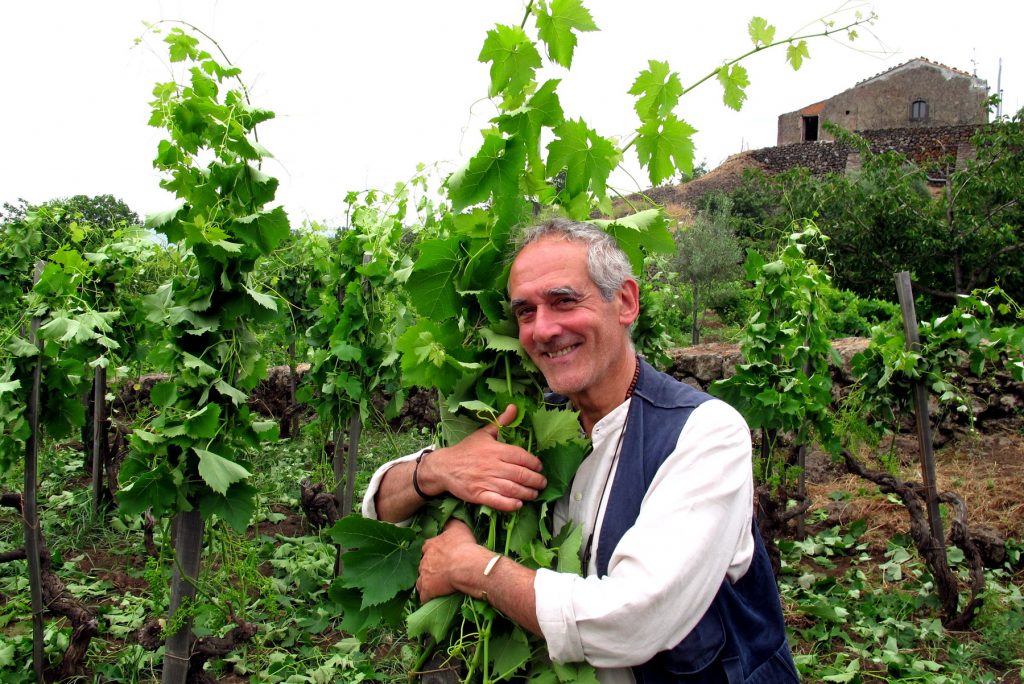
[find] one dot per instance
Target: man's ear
(629, 301)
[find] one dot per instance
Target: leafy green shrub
(854, 316)
(1001, 631)
(735, 304)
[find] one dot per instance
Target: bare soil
(985, 469)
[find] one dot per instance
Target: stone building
(916, 94)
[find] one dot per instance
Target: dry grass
(985, 470)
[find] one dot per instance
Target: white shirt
(692, 531)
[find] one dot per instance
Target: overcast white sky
(363, 91)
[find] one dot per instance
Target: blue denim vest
(742, 637)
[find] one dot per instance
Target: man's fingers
(506, 418)
(500, 503)
(508, 415)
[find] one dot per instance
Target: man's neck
(594, 406)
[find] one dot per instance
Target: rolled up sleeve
(369, 507)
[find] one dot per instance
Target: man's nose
(545, 324)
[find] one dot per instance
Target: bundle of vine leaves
(377, 587)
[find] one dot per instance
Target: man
(678, 586)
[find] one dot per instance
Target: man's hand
(453, 562)
(482, 470)
(479, 470)
(443, 556)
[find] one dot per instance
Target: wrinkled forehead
(550, 263)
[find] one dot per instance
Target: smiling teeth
(561, 352)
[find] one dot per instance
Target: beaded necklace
(611, 469)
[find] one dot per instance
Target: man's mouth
(561, 352)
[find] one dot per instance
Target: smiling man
(677, 585)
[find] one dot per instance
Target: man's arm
(454, 562)
(479, 469)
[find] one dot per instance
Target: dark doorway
(810, 128)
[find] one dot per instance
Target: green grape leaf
(762, 34)
(219, 472)
(514, 62)
(159, 220)
(21, 348)
(60, 327)
(560, 464)
(542, 109)
(266, 430)
(556, 28)
(497, 342)
(665, 147)
(578, 673)
(238, 397)
(569, 551)
(525, 530)
(635, 233)
(163, 394)
(554, 426)
(492, 304)
(264, 300)
(431, 286)
(540, 555)
(203, 424)
(198, 364)
(796, 53)
(734, 82)
(658, 89)
(356, 619)
(425, 359)
(144, 485)
(586, 157)
(265, 230)
(495, 168)
(455, 426)
(382, 559)
(509, 652)
(61, 413)
(236, 507)
(434, 617)
(478, 407)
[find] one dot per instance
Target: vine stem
(755, 50)
(526, 15)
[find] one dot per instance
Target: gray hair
(607, 265)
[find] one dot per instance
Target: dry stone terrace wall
(920, 145)
(992, 398)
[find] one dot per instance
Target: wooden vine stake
(29, 513)
(99, 434)
(188, 549)
(924, 433)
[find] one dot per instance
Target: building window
(919, 110)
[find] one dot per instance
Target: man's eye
(523, 314)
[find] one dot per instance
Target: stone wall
(920, 145)
(992, 399)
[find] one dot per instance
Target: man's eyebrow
(552, 292)
(562, 292)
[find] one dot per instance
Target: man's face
(573, 335)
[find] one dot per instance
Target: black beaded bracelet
(416, 478)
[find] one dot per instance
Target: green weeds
(855, 617)
(857, 612)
